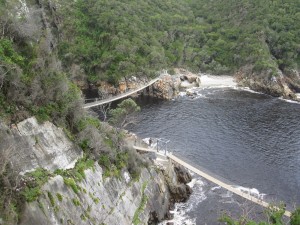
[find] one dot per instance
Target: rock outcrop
(101, 201)
(30, 145)
(285, 85)
(94, 199)
(170, 85)
(177, 178)
(166, 88)
(124, 85)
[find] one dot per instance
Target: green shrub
(104, 160)
(34, 181)
(295, 218)
(59, 197)
(52, 201)
(76, 202)
(71, 183)
(88, 121)
(84, 145)
(82, 165)
(136, 220)
(31, 194)
(121, 160)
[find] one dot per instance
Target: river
(249, 139)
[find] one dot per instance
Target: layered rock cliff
(95, 198)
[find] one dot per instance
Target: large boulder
(183, 176)
(167, 87)
(189, 81)
(177, 178)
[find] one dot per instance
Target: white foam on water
(290, 101)
(181, 210)
(249, 90)
(217, 81)
(216, 188)
(209, 82)
(182, 94)
(260, 93)
(227, 194)
(251, 191)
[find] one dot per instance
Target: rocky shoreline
(169, 86)
(282, 85)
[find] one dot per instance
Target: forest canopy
(105, 40)
(114, 39)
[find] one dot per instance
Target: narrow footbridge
(123, 95)
(230, 188)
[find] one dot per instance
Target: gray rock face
(110, 201)
(285, 85)
(30, 145)
(177, 178)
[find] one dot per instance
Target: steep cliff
(55, 184)
(101, 201)
(285, 85)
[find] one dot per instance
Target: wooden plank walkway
(105, 101)
(216, 181)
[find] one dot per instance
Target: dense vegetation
(33, 83)
(45, 47)
(114, 39)
(109, 40)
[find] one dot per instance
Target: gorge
(56, 156)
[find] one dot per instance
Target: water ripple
(247, 138)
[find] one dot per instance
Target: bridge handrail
(215, 180)
(123, 95)
(224, 185)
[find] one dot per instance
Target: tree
(124, 114)
(9, 181)
(104, 108)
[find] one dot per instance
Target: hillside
(211, 36)
(50, 49)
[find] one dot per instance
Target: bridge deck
(215, 180)
(105, 101)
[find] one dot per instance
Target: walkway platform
(214, 180)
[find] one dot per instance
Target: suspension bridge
(123, 95)
(165, 157)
